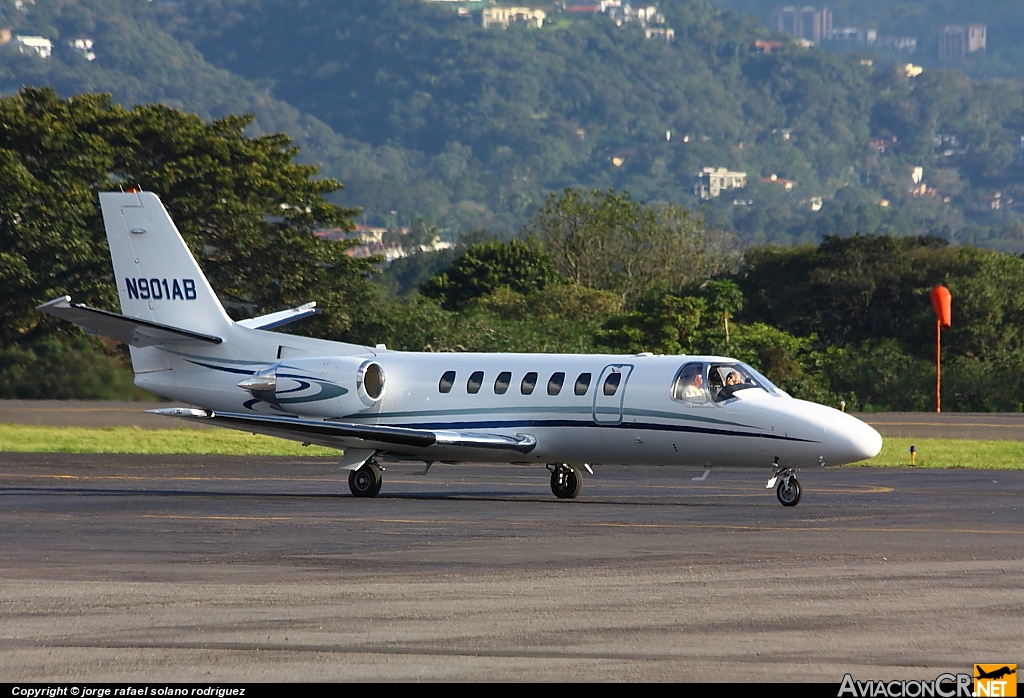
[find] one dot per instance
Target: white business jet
(566, 411)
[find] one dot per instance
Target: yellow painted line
(946, 425)
(181, 478)
(217, 518)
(140, 410)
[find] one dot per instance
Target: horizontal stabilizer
(280, 318)
(133, 331)
(346, 435)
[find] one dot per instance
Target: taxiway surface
(182, 568)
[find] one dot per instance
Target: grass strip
(227, 442)
(950, 453)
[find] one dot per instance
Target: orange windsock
(942, 302)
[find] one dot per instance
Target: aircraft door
(609, 393)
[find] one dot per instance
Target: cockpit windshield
(725, 380)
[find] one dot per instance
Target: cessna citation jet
(566, 411)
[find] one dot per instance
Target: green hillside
(423, 113)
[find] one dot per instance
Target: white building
(503, 16)
(34, 44)
(713, 181)
(84, 46)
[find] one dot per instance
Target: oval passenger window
(529, 383)
(474, 382)
(446, 383)
(582, 384)
(501, 383)
(555, 383)
(611, 383)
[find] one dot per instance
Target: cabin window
(476, 379)
(555, 383)
(611, 383)
(529, 383)
(447, 381)
(501, 383)
(582, 384)
(689, 384)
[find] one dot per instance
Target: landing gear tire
(366, 481)
(789, 492)
(566, 481)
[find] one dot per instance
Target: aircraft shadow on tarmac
(457, 496)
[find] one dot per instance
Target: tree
(608, 241)
(725, 298)
(521, 265)
(246, 210)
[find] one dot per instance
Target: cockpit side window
(688, 385)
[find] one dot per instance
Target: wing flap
(133, 331)
(347, 435)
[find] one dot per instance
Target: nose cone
(850, 440)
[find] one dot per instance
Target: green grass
(46, 439)
(931, 453)
(950, 453)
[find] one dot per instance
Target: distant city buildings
(712, 181)
(956, 41)
(504, 16)
(809, 23)
(648, 17)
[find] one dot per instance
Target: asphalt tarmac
(182, 568)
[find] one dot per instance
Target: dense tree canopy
(245, 208)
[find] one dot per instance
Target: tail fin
(157, 277)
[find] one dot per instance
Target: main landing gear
(566, 480)
(788, 490)
(366, 481)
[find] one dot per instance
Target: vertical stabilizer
(158, 279)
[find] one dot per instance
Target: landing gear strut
(788, 490)
(366, 481)
(566, 480)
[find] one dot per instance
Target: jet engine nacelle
(320, 386)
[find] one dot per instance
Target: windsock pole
(938, 365)
(942, 302)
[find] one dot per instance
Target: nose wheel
(366, 481)
(789, 492)
(566, 480)
(788, 489)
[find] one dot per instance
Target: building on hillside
(34, 44)
(762, 46)
(712, 181)
(786, 184)
(810, 23)
(84, 47)
(957, 41)
(663, 33)
(504, 16)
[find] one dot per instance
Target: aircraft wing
(346, 435)
(133, 331)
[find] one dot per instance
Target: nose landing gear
(566, 480)
(788, 490)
